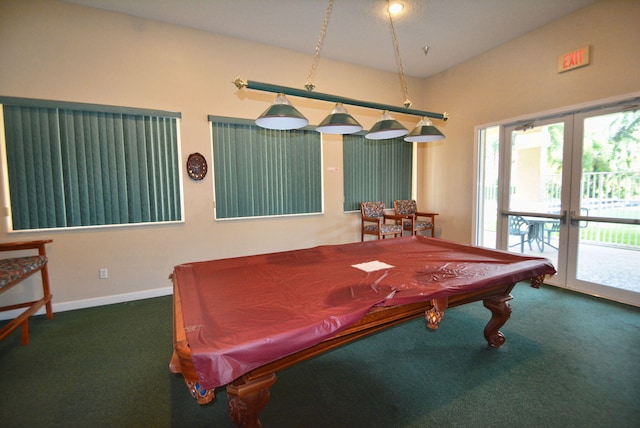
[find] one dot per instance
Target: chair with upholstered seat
(414, 221)
(13, 271)
(374, 221)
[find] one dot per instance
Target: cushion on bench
(14, 268)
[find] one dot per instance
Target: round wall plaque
(196, 166)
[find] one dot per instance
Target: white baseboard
(98, 301)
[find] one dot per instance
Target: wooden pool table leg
(436, 313)
(537, 281)
(248, 398)
(500, 313)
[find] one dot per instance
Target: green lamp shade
(281, 115)
(424, 132)
(386, 127)
(339, 122)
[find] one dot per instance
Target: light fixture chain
(316, 58)
(396, 47)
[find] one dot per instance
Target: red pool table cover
(242, 313)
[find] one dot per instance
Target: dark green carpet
(569, 361)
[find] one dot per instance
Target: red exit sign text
(574, 59)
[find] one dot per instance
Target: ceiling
(358, 31)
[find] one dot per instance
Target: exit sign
(573, 59)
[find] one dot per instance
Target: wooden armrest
(372, 219)
(396, 216)
(425, 214)
(26, 245)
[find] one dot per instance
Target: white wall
(59, 51)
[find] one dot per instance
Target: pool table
(238, 321)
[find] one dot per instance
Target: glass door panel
(568, 189)
(606, 233)
(534, 168)
(487, 198)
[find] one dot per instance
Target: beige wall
(60, 51)
(517, 79)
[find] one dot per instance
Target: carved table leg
(500, 313)
(247, 399)
(436, 313)
(537, 281)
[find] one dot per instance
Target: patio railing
(605, 194)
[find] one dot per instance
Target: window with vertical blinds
(75, 165)
(261, 172)
(375, 170)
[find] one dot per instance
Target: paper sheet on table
(372, 266)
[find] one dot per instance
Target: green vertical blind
(375, 170)
(261, 172)
(74, 166)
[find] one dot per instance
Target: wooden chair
(414, 220)
(15, 270)
(374, 221)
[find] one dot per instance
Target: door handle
(565, 217)
(574, 221)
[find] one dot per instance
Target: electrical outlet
(104, 273)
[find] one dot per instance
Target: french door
(568, 188)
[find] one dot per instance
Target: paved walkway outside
(611, 266)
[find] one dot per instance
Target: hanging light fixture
(339, 122)
(386, 127)
(424, 132)
(281, 115)
(241, 83)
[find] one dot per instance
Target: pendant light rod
(268, 87)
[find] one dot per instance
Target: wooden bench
(15, 270)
